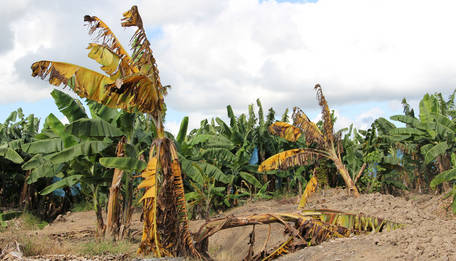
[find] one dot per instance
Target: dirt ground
(429, 232)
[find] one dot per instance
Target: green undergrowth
(32, 222)
(95, 248)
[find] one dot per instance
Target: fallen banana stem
(304, 228)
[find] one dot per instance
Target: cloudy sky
(367, 54)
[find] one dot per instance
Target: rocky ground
(429, 232)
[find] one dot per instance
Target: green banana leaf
(65, 182)
(68, 106)
(123, 163)
(435, 151)
(250, 179)
(93, 128)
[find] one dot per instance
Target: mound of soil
(429, 232)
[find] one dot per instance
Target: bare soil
(429, 232)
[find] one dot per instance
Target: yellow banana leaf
(274, 162)
(109, 40)
(134, 92)
(310, 188)
(310, 129)
(285, 130)
(112, 64)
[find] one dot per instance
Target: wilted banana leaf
(306, 228)
(275, 162)
(285, 130)
(133, 92)
(310, 188)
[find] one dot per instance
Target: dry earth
(429, 232)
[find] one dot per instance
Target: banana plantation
(115, 157)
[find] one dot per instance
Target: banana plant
(15, 131)
(432, 134)
(72, 152)
(132, 83)
(326, 143)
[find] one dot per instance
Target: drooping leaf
(437, 150)
(445, 176)
(11, 155)
(276, 161)
(250, 179)
(406, 119)
(133, 92)
(65, 182)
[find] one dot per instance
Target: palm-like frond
(285, 130)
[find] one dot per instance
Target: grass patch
(94, 248)
(32, 245)
(32, 222)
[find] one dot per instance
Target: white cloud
(359, 51)
(216, 53)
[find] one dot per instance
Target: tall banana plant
(132, 83)
(323, 143)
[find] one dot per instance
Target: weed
(32, 222)
(94, 248)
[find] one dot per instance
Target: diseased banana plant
(322, 143)
(132, 83)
